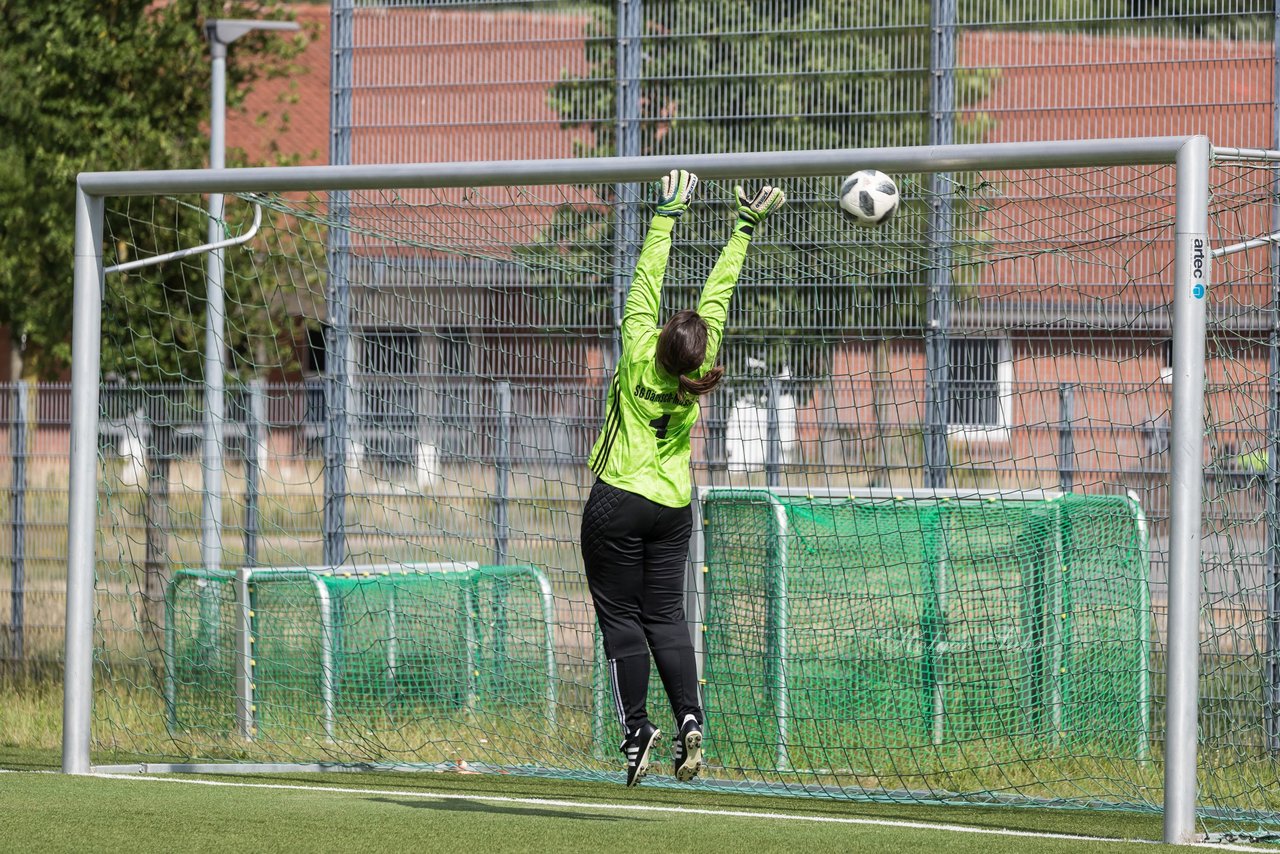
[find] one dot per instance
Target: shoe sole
(692, 757)
(642, 766)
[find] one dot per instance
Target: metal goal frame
(1191, 155)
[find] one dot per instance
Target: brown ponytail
(711, 379)
(682, 347)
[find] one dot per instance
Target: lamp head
(223, 31)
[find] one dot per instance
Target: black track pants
(635, 552)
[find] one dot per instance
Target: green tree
(96, 85)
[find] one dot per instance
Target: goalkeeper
(637, 522)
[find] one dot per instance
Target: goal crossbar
(1138, 151)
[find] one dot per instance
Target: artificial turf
(53, 812)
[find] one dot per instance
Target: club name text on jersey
(660, 396)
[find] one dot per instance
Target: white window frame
(998, 432)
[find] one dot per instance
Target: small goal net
(939, 623)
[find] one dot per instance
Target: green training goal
(330, 654)
(935, 623)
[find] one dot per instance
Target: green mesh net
(928, 630)
(353, 657)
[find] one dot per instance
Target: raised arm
(645, 295)
(714, 304)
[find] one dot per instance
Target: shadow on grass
(462, 805)
(30, 759)
(1085, 822)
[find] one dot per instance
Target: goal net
(1005, 622)
(933, 552)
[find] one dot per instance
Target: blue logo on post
(1198, 291)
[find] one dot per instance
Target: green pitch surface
(460, 813)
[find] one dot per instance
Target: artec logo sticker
(1199, 287)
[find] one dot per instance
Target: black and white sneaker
(687, 755)
(636, 747)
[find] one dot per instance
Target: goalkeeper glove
(751, 212)
(674, 190)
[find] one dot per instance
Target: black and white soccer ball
(869, 197)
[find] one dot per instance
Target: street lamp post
(221, 33)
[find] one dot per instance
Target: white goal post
(1192, 156)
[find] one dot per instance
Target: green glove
(674, 190)
(751, 212)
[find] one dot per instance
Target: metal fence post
(501, 523)
(933, 620)
(630, 23)
(1054, 598)
(244, 706)
(600, 696)
(337, 379)
(773, 435)
(1186, 456)
(502, 531)
(777, 631)
(160, 454)
(18, 449)
(1271, 699)
(254, 458)
(942, 94)
(1271, 702)
(255, 415)
(695, 591)
(1066, 437)
(626, 238)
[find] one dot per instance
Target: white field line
(769, 816)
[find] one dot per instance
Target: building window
(980, 403)
(317, 351)
(457, 397)
(455, 352)
(391, 352)
(390, 361)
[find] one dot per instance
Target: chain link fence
(473, 80)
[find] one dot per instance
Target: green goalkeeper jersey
(644, 444)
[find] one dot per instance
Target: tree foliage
(95, 85)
